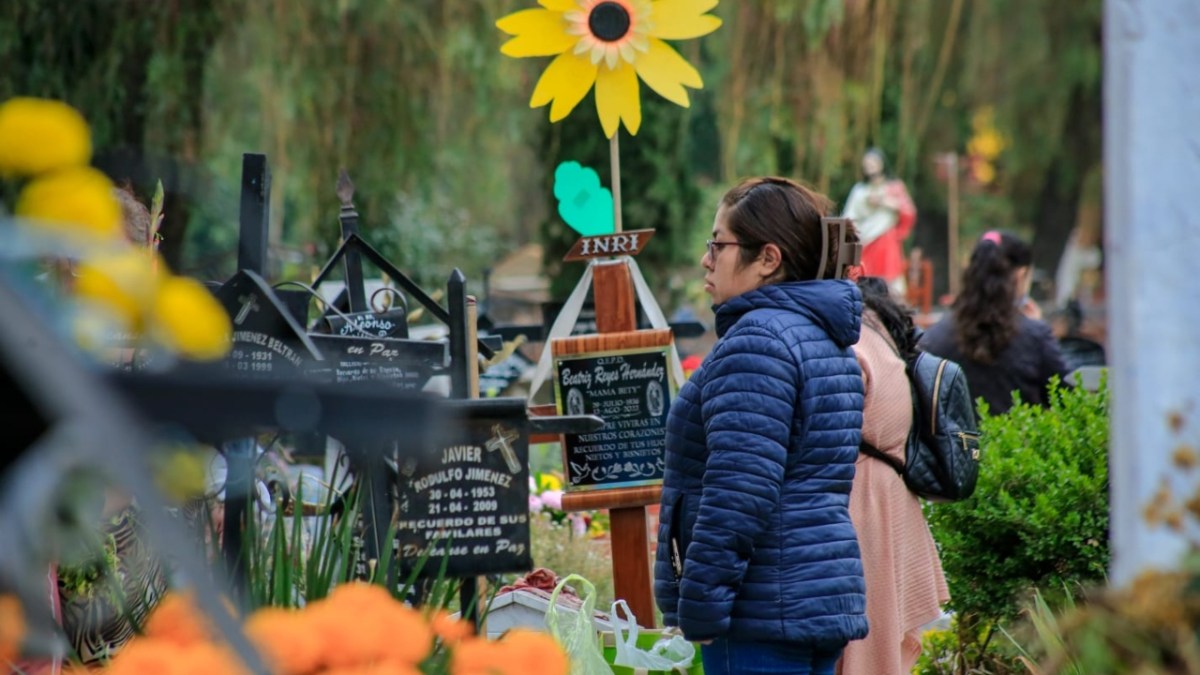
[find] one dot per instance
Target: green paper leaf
(585, 206)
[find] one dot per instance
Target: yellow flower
(609, 43)
(78, 200)
(983, 172)
(987, 144)
(38, 135)
(180, 474)
(188, 319)
(548, 481)
(123, 282)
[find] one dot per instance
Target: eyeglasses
(714, 247)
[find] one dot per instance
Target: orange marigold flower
(476, 656)
(381, 668)
(147, 655)
(286, 639)
(208, 659)
(176, 620)
(361, 624)
(530, 652)
(449, 629)
(12, 628)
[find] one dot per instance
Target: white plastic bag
(669, 653)
(576, 634)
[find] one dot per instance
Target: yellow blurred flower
(180, 474)
(983, 172)
(12, 628)
(189, 320)
(987, 144)
(610, 44)
(76, 200)
(39, 135)
(983, 118)
(123, 281)
(548, 481)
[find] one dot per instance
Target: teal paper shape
(585, 206)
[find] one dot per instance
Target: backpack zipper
(937, 386)
(963, 436)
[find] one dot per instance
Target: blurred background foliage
(453, 169)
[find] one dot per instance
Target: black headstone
(632, 392)
(267, 340)
(467, 506)
(407, 364)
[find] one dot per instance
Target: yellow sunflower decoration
(609, 44)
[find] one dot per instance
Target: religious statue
(884, 215)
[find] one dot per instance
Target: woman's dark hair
(779, 211)
(895, 317)
(985, 312)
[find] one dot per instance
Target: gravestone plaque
(467, 505)
(267, 340)
(408, 364)
(390, 324)
(632, 391)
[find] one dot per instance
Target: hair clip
(849, 248)
(992, 236)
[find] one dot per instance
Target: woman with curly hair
(994, 331)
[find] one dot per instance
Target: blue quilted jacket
(760, 451)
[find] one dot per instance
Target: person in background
(757, 558)
(884, 216)
(905, 585)
(994, 331)
(100, 602)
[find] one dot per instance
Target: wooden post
(952, 271)
(616, 313)
(614, 158)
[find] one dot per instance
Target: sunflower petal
(559, 5)
(666, 72)
(617, 99)
(539, 32)
(565, 82)
(683, 19)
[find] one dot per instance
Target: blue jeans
(725, 657)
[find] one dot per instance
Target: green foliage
(1039, 516)
(961, 649)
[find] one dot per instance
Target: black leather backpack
(942, 455)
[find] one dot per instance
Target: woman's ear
(769, 259)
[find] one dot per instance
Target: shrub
(1039, 515)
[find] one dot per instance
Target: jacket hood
(835, 306)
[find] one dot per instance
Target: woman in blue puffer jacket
(757, 557)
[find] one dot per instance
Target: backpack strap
(872, 451)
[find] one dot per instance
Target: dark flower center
(609, 21)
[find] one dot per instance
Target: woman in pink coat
(905, 585)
